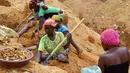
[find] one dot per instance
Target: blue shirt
(67, 26)
(63, 29)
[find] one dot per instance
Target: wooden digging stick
(63, 41)
(17, 28)
(36, 22)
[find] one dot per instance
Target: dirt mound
(76, 63)
(5, 3)
(12, 12)
(33, 67)
(102, 14)
(83, 33)
(83, 36)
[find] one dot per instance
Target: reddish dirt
(76, 63)
(33, 67)
(103, 14)
(83, 36)
(13, 12)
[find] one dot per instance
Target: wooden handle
(36, 22)
(66, 38)
(59, 45)
(31, 48)
(16, 29)
(76, 26)
(26, 17)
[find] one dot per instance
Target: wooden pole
(31, 48)
(63, 41)
(36, 22)
(17, 28)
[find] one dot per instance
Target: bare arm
(40, 49)
(101, 63)
(69, 38)
(38, 57)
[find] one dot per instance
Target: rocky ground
(97, 13)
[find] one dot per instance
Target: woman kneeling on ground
(50, 41)
(64, 29)
(116, 59)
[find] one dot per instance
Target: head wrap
(50, 22)
(56, 17)
(110, 37)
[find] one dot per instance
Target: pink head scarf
(110, 37)
(50, 22)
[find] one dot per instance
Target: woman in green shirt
(50, 41)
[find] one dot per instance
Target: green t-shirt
(50, 9)
(49, 45)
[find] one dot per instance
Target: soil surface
(103, 14)
(87, 39)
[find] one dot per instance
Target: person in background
(116, 59)
(33, 4)
(50, 41)
(61, 28)
(64, 19)
(31, 23)
(44, 12)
